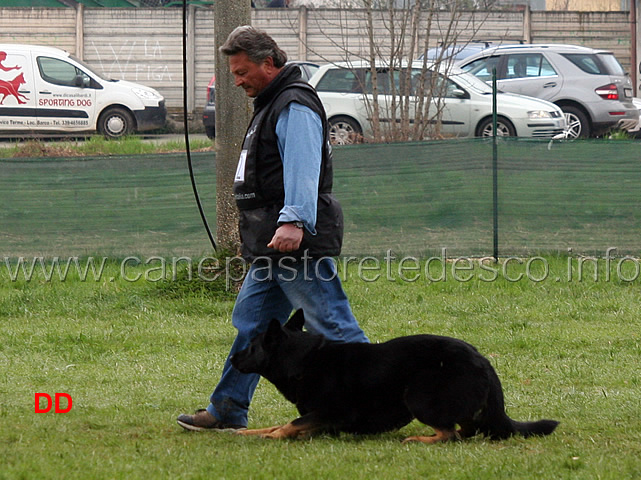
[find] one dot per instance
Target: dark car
(456, 52)
(209, 112)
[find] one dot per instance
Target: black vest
(258, 186)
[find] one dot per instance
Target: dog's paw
(276, 434)
(439, 437)
(262, 432)
(417, 439)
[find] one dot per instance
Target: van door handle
(549, 85)
(45, 93)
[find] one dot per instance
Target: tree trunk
(233, 113)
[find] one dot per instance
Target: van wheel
(116, 122)
(344, 131)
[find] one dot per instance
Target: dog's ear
(296, 321)
(274, 328)
(273, 334)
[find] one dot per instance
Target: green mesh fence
(582, 196)
(411, 199)
(416, 199)
(114, 206)
(419, 199)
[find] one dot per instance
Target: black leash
(186, 126)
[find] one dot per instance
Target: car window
(611, 63)
(59, 72)
(470, 82)
(586, 62)
(308, 71)
(341, 80)
(482, 68)
(382, 82)
(596, 64)
(449, 87)
(416, 81)
(528, 65)
(603, 64)
(441, 85)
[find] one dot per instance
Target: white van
(45, 89)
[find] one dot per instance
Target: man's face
(252, 77)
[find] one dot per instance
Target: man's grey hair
(255, 43)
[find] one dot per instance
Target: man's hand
(287, 238)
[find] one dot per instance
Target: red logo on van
(10, 87)
(3, 57)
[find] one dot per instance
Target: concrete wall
(587, 5)
(145, 44)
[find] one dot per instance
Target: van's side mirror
(81, 81)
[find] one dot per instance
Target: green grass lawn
(134, 355)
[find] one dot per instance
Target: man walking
(290, 224)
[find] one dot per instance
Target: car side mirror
(459, 93)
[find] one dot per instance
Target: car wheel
(344, 131)
(211, 132)
(504, 128)
(116, 122)
(578, 124)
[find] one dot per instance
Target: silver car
(589, 85)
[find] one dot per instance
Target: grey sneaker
(203, 420)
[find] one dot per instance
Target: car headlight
(538, 114)
(146, 94)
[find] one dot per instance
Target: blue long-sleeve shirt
(300, 143)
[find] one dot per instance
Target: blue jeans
(273, 292)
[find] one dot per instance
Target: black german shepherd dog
(371, 388)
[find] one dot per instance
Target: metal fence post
(495, 175)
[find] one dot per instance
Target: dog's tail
(498, 425)
(539, 428)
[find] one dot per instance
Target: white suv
(589, 85)
(466, 104)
